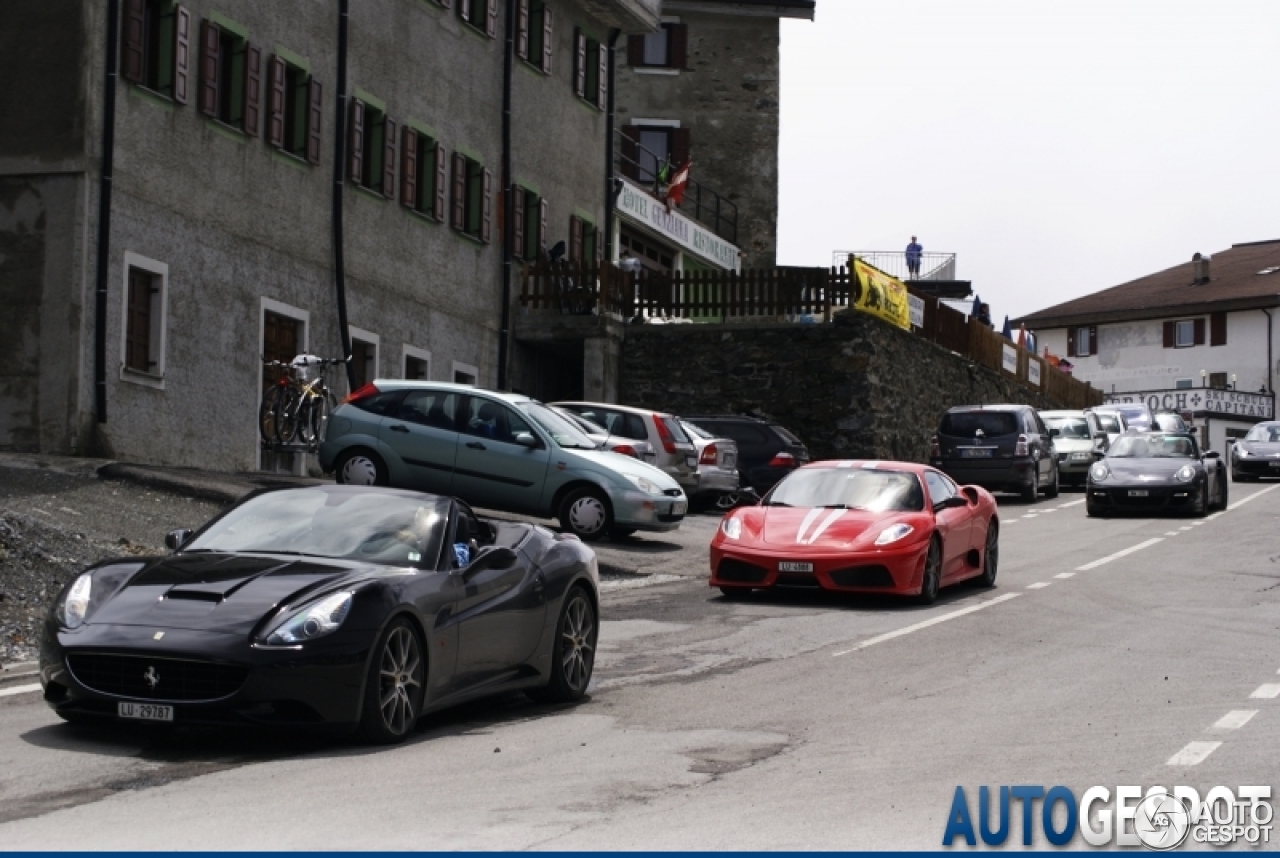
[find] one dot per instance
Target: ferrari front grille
(151, 678)
(862, 576)
(740, 572)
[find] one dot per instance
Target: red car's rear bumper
(896, 570)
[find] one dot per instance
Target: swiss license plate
(790, 566)
(976, 452)
(144, 711)
(1138, 493)
(679, 507)
(1273, 464)
(731, 461)
(691, 461)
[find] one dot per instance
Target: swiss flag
(675, 192)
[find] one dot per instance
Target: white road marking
(1030, 515)
(1215, 515)
(1010, 521)
(1244, 501)
(1046, 511)
(1267, 691)
(20, 689)
(1193, 754)
(1198, 523)
(1065, 575)
(1039, 585)
(1073, 503)
(1171, 533)
(1234, 720)
(1104, 560)
(906, 630)
(1187, 527)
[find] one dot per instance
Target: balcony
(639, 164)
(937, 270)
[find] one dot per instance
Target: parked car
(1170, 421)
(304, 608)
(1106, 424)
(672, 451)
(999, 447)
(875, 527)
(767, 452)
(606, 440)
(1074, 440)
(717, 468)
(1155, 472)
(1136, 415)
(1257, 454)
(497, 450)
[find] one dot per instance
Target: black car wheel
(1200, 508)
(1237, 477)
(395, 686)
(1030, 492)
(727, 501)
(585, 513)
(990, 556)
(574, 653)
(1054, 488)
(1220, 499)
(932, 579)
(360, 468)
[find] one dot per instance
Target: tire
(1092, 510)
(1054, 488)
(395, 687)
(990, 556)
(360, 468)
(287, 416)
(313, 419)
(931, 580)
(1029, 493)
(268, 413)
(726, 501)
(621, 532)
(1201, 507)
(1222, 492)
(735, 594)
(573, 656)
(585, 513)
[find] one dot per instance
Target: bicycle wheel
(267, 412)
(313, 417)
(287, 416)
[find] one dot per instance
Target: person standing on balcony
(914, 252)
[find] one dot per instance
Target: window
(590, 69)
(1184, 333)
(157, 47)
(481, 14)
(1219, 380)
(434, 408)
(284, 336)
(488, 419)
(294, 104)
(665, 49)
(1082, 341)
(653, 257)
(1217, 329)
(464, 373)
(586, 242)
(534, 42)
(645, 147)
(364, 357)
(416, 364)
(472, 198)
(422, 174)
(940, 488)
(1184, 384)
(230, 78)
(530, 219)
(146, 285)
(371, 148)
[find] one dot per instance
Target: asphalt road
(1111, 652)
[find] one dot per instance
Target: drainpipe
(339, 171)
(609, 194)
(1267, 376)
(508, 210)
(104, 212)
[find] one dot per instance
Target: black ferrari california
(343, 607)
(1156, 471)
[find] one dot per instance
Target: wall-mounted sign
(882, 295)
(638, 206)
(1009, 358)
(916, 306)
(1203, 401)
(1033, 372)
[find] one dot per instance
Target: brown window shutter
(1199, 327)
(442, 183)
(355, 142)
(548, 43)
(138, 330)
(517, 221)
(409, 167)
(630, 152)
(579, 62)
(1169, 335)
(680, 144)
(1093, 340)
(135, 36)
(522, 29)
(1071, 342)
(541, 239)
(678, 45)
(210, 60)
(389, 158)
(316, 100)
(181, 54)
(635, 51)
(275, 102)
(486, 207)
(575, 240)
(459, 191)
(491, 20)
(602, 96)
(464, 9)
(252, 90)
(1217, 329)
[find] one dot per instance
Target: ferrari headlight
(893, 533)
(731, 528)
(1099, 472)
(318, 620)
(75, 607)
(1186, 474)
(643, 484)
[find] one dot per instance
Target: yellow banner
(882, 295)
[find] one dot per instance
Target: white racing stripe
(1269, 691)
(826, 522)
(1193, 754)
(1244, 501)
(1104, 560)
(906, 630)
(19, 689)
(1234, 720)
(808, 520)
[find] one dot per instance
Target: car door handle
(399, 428)
(476, 445)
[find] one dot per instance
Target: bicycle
(269, 409)
(299, 404)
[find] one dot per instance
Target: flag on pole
(1008, 330)
(675, 192)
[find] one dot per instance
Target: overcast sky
(1058, 148)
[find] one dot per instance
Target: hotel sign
(639, 206)
(1205, 401)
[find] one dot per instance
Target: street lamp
(1233, 381)
(1204, 374)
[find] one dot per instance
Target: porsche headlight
(75, 607)
(893, 533)
(1186, 474)
(1242, 451)
(731, 528)
(1099, 472)
(643, 484)
(318, 620)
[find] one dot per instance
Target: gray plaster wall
(728, 96)
(857, 388)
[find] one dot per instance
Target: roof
(1236, 282)
(767, 8)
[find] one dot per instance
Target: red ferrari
(860, 527)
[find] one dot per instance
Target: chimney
(1199, 269)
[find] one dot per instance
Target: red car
(860, 527)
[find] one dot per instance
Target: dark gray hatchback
(999, 447)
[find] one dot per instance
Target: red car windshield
(849, 488)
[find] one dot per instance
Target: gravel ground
(54, 522)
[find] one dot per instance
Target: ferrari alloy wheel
(360, 468)
(585, 513)
(1201, 506)
(574, 653)
(931, 580)
(990, 556)
(393, 696)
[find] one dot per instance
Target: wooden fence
(784, 294)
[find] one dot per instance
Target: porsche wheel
(931, 581)
(585, 513)
(574, 653)
(394, 689)
(1221, 502)
(1092, 510)
(1201, 506)
(360, 468)
(1226, 492)
(990, 556)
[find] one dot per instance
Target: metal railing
(933, 266)
(639, 164)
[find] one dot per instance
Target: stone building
(253, 193)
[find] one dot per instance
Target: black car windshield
(1069, 427)
(1265, 432)
(1152, 446)
(560, 429)
(849, 488)
(965, 424)
(330, 521)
